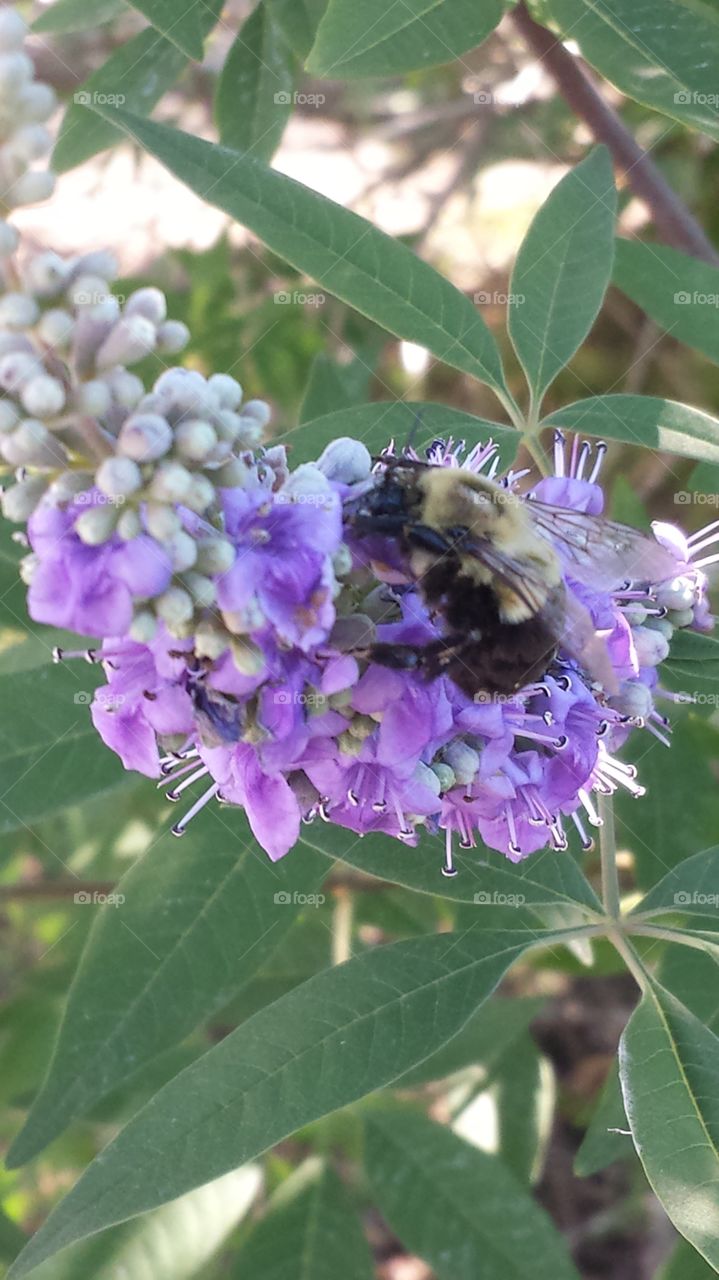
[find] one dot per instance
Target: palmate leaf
(663, 425)
(692, 887)
(562, 270)
(371, 271)
(198, 919)
(669, 1069)
(344, 1033)
(458, 1207)
(660, 52)
(378, 39)
(310, 1232)
(680, 293)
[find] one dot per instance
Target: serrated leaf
(344, 1033)
(680, 293)
(377, 423)
(660, 52)
(253, 101)
(458, 1208)
(310, 1232)
(369, 270)
(603, 1143)
(562, 270)
(657, 424)
(49, 749)
(385, 40)
(669, 1070)
(65, 16)
(299, 20)
(198, 918)
(690, 888)
(182, 24)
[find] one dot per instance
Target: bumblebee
(491, 566)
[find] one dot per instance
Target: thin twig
(673, 220)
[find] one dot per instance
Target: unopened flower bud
(31, 444)
(132, 338)
(127, 389)
(463, 760)
(345, 461)
(32, 187)
(250, 433)
(678, 618)
(118, 477)
(183, 551)
(13, 30)
(183, 388)
(651, 646)
(145, 437)
(342, 561)
(634, 699)
(98, 262)
(195, 440)
(93, 398)
(235, 474)
(214, 555)
(172, 336)
(148, 302)
(445, 776)
(30, 142)
(66, 486)
(171, 482)
(227, 390)
(15, 70)
(18, 310)
(129, 525)
(55, 327)
(247, 656)
(43, 396)
(90, 290)
(361, 727)
(257, 409)
(201, 589)
(143, 627)
(45, 273)
(27, 567)
(16, 368)
(96, 525)
(175, 607)
(8, 416)
(37, 101)
(200, 494)
(348, 745)
(211, 640)
(162, 521)
(678, 594)
(9, 239)
(19, 502)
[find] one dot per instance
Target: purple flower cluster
(270, 701)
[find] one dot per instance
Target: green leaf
(660, 52)
(182, 24)
(332, 386)
(198, 918)
(602, 1143)
(669, 1069)
(692, 977)
(690, 888)
(49, 750)
(344, 1033)
(384, 420)
(298, 19)
(65, 16)
(693, 667)
(385, 40)
(310, 1232)
(661, 829)
(253, 101)
(485, 877)
(680, 293)
(490, 1032)
(659, 424)
(562, 270)
(457, 1207)
(12, 1238)
(371, 271)
(173, 1243)
(685, 1264)
(524, 1094)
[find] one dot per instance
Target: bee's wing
(521, 576)
(600, 552)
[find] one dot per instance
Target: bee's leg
(401, 657)
(427, 539)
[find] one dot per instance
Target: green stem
(608, 854)
(533, 446)
(511, 408)
(669, 935)
(629, 956)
